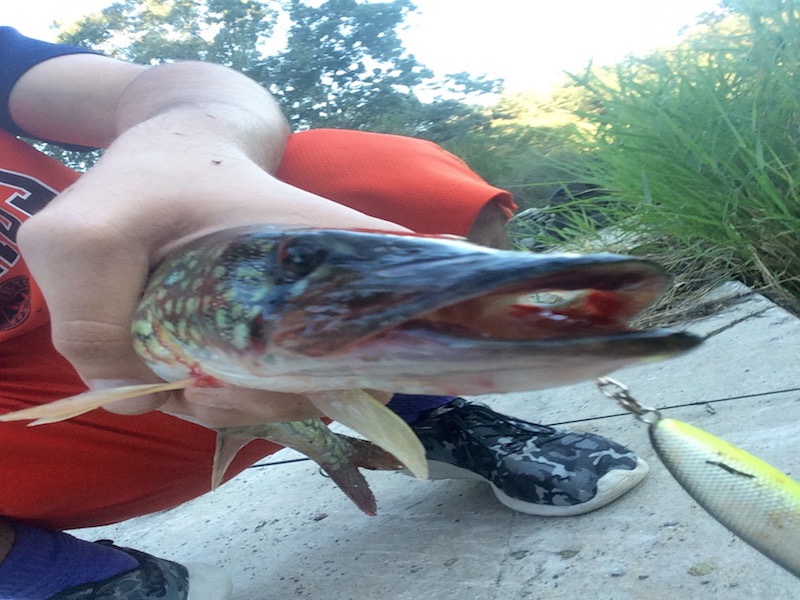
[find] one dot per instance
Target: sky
(528, 43)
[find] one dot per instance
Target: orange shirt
(28, 181)
(408, 181)
(99, 468)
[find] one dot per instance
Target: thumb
(91, 277)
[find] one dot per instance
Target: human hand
(177, 171)
(232, 407)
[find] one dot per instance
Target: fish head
(313, 309)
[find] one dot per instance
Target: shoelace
(472, 416)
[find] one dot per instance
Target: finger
(233, 406)
(91, 276)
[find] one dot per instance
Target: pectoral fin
(67, 408)
(228, 445)
(362, 413)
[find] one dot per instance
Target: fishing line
(278, 462)
(684, 405)
(611, 416)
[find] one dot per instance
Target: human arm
(191, 147)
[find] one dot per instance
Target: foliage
(343, 60)
(343, 64)
(699, 145)
(696, 147)
(229, 32)
(527, 145)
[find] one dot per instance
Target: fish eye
(300, 257)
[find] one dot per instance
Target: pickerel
(331, 313)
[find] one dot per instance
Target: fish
(755, 501)
(336, 314)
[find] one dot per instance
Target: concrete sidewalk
(286, 532)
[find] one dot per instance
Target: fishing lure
(750, 497)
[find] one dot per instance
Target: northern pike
(753, 499)
(332, 313)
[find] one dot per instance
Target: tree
(341, 59)
(343, 64)
(229, 32)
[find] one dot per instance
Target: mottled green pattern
(329, 313)
(311, 437)
(204, 296)
(212, 298)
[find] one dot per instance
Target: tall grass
(698, 148)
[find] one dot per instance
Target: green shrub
(698, 147)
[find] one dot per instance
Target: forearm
(91, 100)
(191, 148)
(206, 103)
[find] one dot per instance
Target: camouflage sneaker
(532, 468)
(156, 578)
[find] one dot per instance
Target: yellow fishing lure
(753, 499)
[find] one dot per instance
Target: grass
(698, 150)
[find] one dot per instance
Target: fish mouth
(423, 295)
(578, 303)
(538, 333)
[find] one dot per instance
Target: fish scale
(163, 335)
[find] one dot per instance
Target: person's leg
(6, 538)
(532, 468)
(489, 227)
(41, 563)
(52, 565)
(93, 470)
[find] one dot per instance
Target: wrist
(206, 102)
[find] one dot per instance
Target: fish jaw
(425, 364)
(421, 363)
(383, 282)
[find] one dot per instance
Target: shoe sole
(610, 487)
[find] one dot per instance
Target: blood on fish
(201, 379)
(607, 305)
